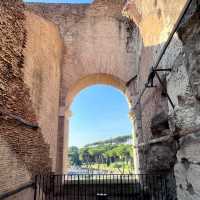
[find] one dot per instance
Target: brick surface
(26, 74)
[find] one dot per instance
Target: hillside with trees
(114, 155)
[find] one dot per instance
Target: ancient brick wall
(24, 147)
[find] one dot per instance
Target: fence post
(78, 187)
(121, 186)
(35, 188)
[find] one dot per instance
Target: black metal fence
(101, 186)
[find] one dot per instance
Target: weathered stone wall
(154, 107)
(43, 56)
(182, 85)
(187, 114)
(27, 146)
(154, 18)
(98, 41)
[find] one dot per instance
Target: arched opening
(101, 80)
(100, 138)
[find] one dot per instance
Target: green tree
(74, 156)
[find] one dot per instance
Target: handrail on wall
(19, 189)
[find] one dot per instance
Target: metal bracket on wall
(132, 79)
(165, 89)
(153, 71)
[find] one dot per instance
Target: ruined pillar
(59, 156)
(63, 137)
(135, 125)
(186, 116)
(68, 114)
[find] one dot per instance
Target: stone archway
(90, 52)
(65, 112)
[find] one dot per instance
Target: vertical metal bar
(103, 183)
(118, 186)
(150, 180)
(89, 187)
(141, 185)
(82, 196)
(106, 184)
(57, 187)
(60, 181)
(121, 187)
(50, 187)
(93, 186)
(110, 186)
(63, 186)
(78, 185)
(136, 185)
(146, 185)
(46, 184)
(152, 188)
(85, 186)
(66, 187)
(128, 186)
(39, 185)
(35, 188)
(53, 186)
(100, 188)
(74, 186)
(42, 187)
(114, 182)
(160, 188)
(95, 180)
(155, 186)
(140, 176)
(143, 188)
(124, 186)
(165, 185)
(71, 190)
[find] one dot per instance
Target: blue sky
(60, 1)
(98, 112)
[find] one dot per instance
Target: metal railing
(101, 186)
